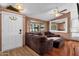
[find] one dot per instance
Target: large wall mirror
(59, 25)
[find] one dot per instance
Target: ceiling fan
(57, 13)
(63, 11)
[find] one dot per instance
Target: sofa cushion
(48, 33)
(38, 33)
(54, 38)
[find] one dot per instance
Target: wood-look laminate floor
(22, 51)
(70, 48)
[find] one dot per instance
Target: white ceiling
(39, 10)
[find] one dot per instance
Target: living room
(67, 19)
(46, 28)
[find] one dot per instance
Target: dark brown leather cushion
(39, 33)
(48, 33)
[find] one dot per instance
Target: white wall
(72, 7)
(10, 31)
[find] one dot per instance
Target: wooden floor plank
(27, 52)
(22, 51)
(70, 48)
(34, 53)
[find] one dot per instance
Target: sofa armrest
(49, 45)
(46, 45)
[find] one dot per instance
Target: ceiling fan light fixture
(56, 12)
(19, 6)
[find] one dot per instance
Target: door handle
(20, 31)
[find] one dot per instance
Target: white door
(12, 31)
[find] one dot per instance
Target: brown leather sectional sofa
(39, 43)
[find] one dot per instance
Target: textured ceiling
(39, 10)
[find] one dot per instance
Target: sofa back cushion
(38, 33)
(48, 33)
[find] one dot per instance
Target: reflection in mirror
(59, 25)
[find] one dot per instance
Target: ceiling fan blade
(63, 10)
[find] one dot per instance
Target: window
(36, 27)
